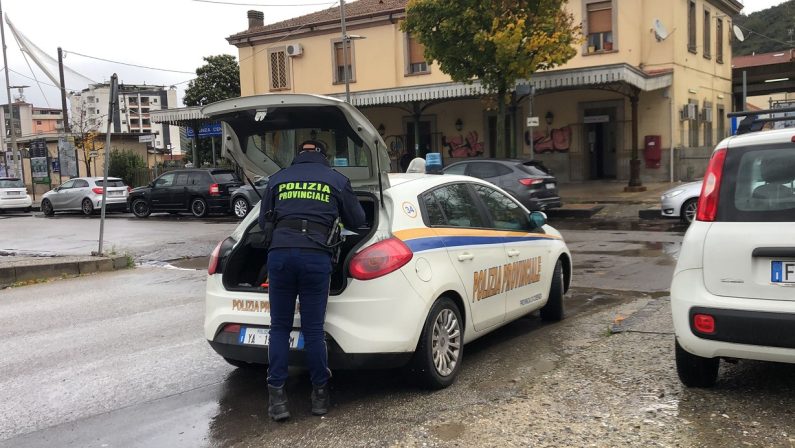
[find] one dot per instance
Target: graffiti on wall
(460, 146)
(557, 140)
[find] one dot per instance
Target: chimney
(255, 19)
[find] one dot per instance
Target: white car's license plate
(13, 193)
(115, 193)
(550, 186)
(261, 336)
(782, 271)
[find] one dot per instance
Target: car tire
(240, 207)
(553, 311)
(46, 208)
(140, 208)
(198, 206)
(695, 371)
(87, 207)
(243, 364)
(688, 211)
(442, 332)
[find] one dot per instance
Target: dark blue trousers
(302, 273)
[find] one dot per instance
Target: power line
(257, 4)
(766, 37)
(127, 63)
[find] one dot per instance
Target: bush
(125, 165)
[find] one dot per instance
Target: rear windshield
(758, 184)
(225, 177)
(111, 183)
(533, 170)
(11, 183)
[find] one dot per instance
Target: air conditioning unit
(688, 112)
(295, 50)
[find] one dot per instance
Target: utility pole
(345, 53)
(64, 111)
(14, 148)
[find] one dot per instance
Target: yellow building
(671, 58)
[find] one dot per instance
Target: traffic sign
(207, 130)
(532, 122)
(146, 138)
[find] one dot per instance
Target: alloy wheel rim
(86, 207)
(241, 208)
(198, 207)
(690, 211)
(446, 342)
(46, 207)
(140, 207)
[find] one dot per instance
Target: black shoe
(320, 399)
(277, 403)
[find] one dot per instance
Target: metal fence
(144, 176)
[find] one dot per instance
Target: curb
(574, 211)
(10, 275)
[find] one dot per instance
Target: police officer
(302, 203)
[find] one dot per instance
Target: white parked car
(733, 290)
(85, 194)
(442, 261)
(14, 195)
(681, 202)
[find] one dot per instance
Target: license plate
(115, 193)
(782, 271)
(550, 186)
(261, 336)
(13, 193)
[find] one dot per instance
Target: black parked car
(245, 198)
(199, 191)
(529, 182)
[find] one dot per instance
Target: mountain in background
(774, 22)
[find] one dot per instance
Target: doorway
(426, 137)
(492, 147)
(601, 142)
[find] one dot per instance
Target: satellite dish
(738, 33)
(660, 32)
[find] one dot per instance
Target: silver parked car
(681, 202)
(245, 198)
(85, 194)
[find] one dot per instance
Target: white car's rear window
(758, 185)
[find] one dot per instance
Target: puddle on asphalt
(647, 249)
(652, 225)
(184, 264)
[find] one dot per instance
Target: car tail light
(97, 190)
(380, 259)
(710, 189)
(129, 189)
(215, 190)
(704, 323)
(531, 181)
(231, 328)
(215, 266)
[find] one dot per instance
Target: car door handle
(513, 253)
(465, 256)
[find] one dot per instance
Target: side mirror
(537, 219)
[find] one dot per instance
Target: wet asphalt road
(119, 359)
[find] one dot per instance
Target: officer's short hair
(312, 145)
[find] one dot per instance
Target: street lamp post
(346, 42)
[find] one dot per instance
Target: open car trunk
(246, 267)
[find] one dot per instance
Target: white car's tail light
(97, 190)
(710, 189)
(217, 258)
(380, 259)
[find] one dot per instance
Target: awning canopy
(570, 79)
(184, 116)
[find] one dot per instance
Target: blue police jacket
(309, 189)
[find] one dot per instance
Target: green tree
(495, 41)
(129, 166)
(217, 80)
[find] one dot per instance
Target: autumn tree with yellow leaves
(495, 41)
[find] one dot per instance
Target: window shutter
(416, 51)
(600, 17)
(339, 59)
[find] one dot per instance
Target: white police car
(442, 261)
(733, 290)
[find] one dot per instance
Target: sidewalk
(16, 269)
(583, 200)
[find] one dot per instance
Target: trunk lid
(262, 133)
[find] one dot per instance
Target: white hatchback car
(14, 195)
(442, 261)
(681, 202)
(733, 290)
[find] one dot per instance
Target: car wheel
(553, 310)
(440, 350)
(688, 212)
(243, 364)
(140, 208)
(198, 207)
(46, 208)
(695, 371)
(240, 207)
(87, 207)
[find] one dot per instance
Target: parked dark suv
(527, 181)
(199, 191)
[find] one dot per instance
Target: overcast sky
(167, 34)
